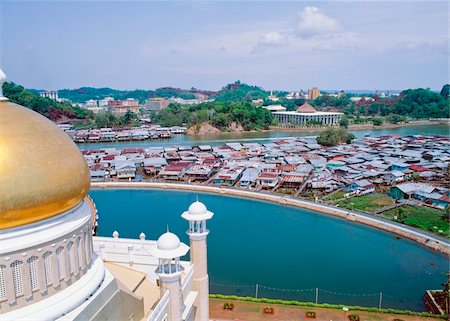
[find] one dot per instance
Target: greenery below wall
(325, 305)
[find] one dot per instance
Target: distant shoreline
(370, 126)
(425, 239)
(319, 129)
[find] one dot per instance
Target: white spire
(2, 81)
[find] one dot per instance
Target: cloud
(273, 38)
(314, 22)
(315, 31)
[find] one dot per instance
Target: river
(288, 251)
(264, 137)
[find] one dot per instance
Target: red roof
(418, 168)
(268, 175)
(286, 168)
(132, 151)
(177, 166)
(306, 108)
(108, 157)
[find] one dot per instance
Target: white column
(173, 285)
(26, 279)
(200, 280)
(10, 292)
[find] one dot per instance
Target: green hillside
(51, 109)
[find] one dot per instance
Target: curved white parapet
(23, 238)
(63, 302)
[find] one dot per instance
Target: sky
(276, 45)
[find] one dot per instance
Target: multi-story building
(156, 103)
(105, 101)
(313, 93)
(122, 106)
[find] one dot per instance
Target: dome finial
(2, 81)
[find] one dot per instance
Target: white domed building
(51, 265)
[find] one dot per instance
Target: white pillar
(172, 283)
(200, 280)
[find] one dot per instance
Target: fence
(316, 295)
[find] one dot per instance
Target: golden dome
(42, 172)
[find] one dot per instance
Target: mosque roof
(306, 108)
(43, 172)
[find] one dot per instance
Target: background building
(307, 114)
(52, 94)
(313, 93)
(122, 106)
(156, 103)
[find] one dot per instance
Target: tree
(445, 92)
(393, 118)
(128, 117)
(344, 122)
(45, 106)
(377, 121)
(333, 137)
(220, 120)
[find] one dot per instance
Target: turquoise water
(253, 242)
(177, 140)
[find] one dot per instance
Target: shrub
(310, 314)
(353, 317)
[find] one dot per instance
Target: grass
(425, 218)
(367, 203)
(287, 191)
(335, 196)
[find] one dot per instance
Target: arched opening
(17, 267)
(33, 268)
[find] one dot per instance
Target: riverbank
(295, 129)
(250, 309)
(426, 239)
(368, 126)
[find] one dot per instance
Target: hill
(51, 109)
(83, 94)
(240, 92)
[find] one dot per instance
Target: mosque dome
(197, 208)
(168, 242)
(43, 172)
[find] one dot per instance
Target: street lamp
(345, 313)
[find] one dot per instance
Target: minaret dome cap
(197, 208)
(168, 241)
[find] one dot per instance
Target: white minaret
(168, 250)
(2, 81)
(197, 215)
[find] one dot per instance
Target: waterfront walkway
(422, 237)
(253, 311)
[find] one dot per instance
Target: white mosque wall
(135, 254)
(44, 258)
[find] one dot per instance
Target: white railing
(187, 279)
(159, 312)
